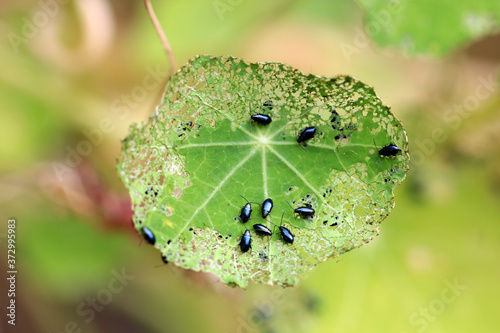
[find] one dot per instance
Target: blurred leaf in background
(429, 27)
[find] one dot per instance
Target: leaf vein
(216, 189)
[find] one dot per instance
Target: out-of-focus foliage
(431, 27)
(70, 253)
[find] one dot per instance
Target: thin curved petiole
(163, 37)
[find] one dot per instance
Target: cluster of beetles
(267, 205)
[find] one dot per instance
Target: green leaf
(189, 165)
(426, 26)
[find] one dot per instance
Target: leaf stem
(163, 37)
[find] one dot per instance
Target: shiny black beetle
(148, 235)
(389, 150)
(246, 241)
(306, 134)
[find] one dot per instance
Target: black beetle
(148, 235)
(164, 259)
(267, 207)
(306, 134)
(262, 230)
(389, 150)
(246, 211)
(305, 212)
(287, 235)
(261, 119)
(246, 241)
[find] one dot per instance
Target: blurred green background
(71, 68)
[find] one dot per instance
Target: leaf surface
(189, 167)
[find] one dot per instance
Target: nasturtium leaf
(193, 166)
(428, 26)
